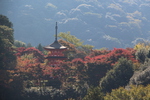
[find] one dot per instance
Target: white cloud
(131, 2)
(115, 6)
(145, 4)
(69, 19)
(74, 10)
(29, 6)
(89, 40)
(95, 14)
(78, 8)
(47, 19)
(107, 37)
(116, 15)
(83, 5)
(135, 14)
(134, 21)
(111, 26)
(137, 40)
(108, 15)
(50, 5)
(61, 13)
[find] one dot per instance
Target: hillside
(100, 23)
(29, 73)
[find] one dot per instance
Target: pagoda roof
(55, 45)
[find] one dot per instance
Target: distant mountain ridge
(99, 23)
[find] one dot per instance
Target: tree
(70, 38)
(19, 43)
(5, 21)
(118, 76)
(134, 93)
(100, 61)
(28, 67)
(94, 93)
(72, 52)
(39, 47)
(142, 51)
(7, 57)
(75, 41)
(25, 51)
(29, 45)
(142, 54)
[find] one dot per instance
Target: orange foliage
(28, 64)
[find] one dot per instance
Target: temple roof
(55, 45)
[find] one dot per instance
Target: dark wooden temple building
(56, 51)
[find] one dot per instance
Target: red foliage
(28, 67)
(93, 66)
(111, 57)
(100, 62)
(78, 61)
(19, 51)
(99, 52)
(36, 53)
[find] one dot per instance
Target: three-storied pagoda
(56, 51)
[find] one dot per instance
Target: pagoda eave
(51, 48)
(55, 46)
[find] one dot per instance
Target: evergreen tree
(5, 21)
(7, 57)
(29, 45)
(118, 76)
(39, 47)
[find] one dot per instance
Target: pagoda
(56, 51)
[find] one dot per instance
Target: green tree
(5, 21)
(118, 76)
(70, 38)
(29, 45)
(19, 43)
(142, 54)
(40, 47)
(94, 93)
(134, 93)
(74, 40)
(7, 57)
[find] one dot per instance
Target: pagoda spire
(56, 32)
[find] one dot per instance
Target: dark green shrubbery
(118, 76)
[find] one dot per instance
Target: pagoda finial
(56, 32)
